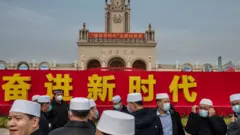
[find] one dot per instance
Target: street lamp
(75, 64)
(54, 64)
(177, 65)
(34, 64)
(156, 65)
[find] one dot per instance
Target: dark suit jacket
(75, 128)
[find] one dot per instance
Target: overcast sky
(187, 30)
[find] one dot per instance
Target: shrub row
(228, 120)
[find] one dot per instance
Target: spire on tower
(150, 33)
(149, 27)
(84, 26)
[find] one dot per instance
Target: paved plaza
(3, 131)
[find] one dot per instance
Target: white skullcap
(79, 104)
(116, 99)
(205, 101)
(134, 97)
(26, 107)
(116, 123)
(44, 99)
(235, 97)
(35, 97)
(92, 103)
(162, 96)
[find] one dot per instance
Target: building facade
(117, 46)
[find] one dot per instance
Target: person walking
(78, 124)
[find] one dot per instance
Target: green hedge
(3, 122)
(228, 120)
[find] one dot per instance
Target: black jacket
(74, 128)
(92, 123)
(177, 123)
(58, 116)
(37, 132)
(43, 124)
(234, 128)
(147, 122)
(197, 125)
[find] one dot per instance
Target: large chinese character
(136, 84)
(59, 82)
(99, 86)
(16, 87)
(188, 82)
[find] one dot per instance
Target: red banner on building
(185, 89)
(105, 35)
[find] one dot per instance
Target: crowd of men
(41, 116)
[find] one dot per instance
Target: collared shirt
(166, 121)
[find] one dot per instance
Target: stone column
(103, 64)
(82, 62)
(149, 63)
(129, 62)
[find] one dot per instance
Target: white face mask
(59, 98)
(128, 108)
(203, 113)
(166, 107)
(236, 108)
(117, 107)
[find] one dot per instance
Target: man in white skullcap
(23, 118)
(146, 120)
(234, 127)
(113, 122)
(118, 105)
(235, 103)
(35, 98)
(78, 114)
(58, 116)
(170, 119)
(205, 122)
(93, 113)
(44, 101)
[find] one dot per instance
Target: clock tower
(117, 16)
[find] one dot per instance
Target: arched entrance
(139, 64)
(93, 63)
(116, 62)
(23, 66)
(44, 66)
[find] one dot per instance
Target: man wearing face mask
(44, 101)
(205, 122)
(115, 123)
(146, 120)
(78, 115)
(58, 116)
(169, 119)
(23, 118)
(118, 105)
(93, 113)
(234, 127)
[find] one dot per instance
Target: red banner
(185, 89)
(116, 35)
